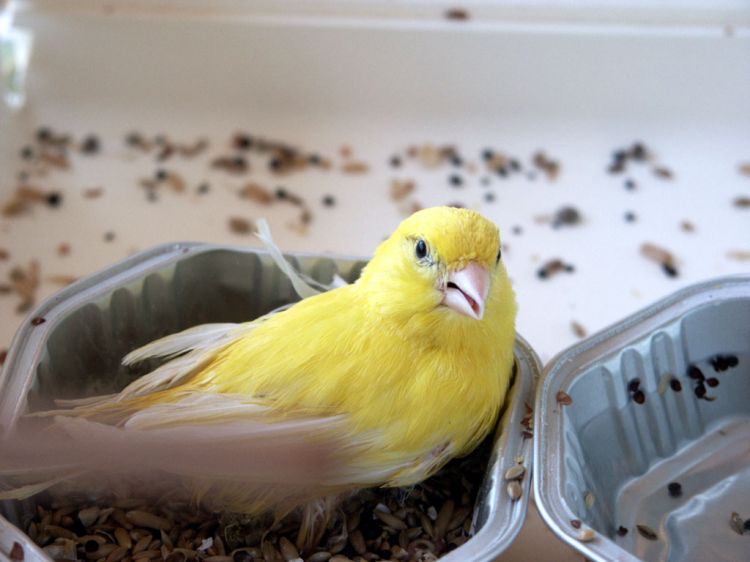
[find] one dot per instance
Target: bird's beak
(466, 290)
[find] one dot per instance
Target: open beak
(466, 290)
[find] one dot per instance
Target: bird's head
(442, 261)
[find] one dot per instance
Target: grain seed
(586, 535)
(563, 398)
(737, 523)
(647, 532)
(575, 523)
(622, 531)
(148, 520)
(514, 490)
(589, 499)
(515, 472)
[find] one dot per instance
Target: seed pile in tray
(420, 523)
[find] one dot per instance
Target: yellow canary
(403, 370)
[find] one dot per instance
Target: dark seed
(455, 180)
(485, 181)
(719, 363)
(569, 268)
(90, 145)
(638, 151)
(619, 156)
(161, 174)
(576, 523)
(43, 134)
(54, 199)
(647, 532)
(630, 216)
(275, 164)
(566, 215)
(281, 193)
(517, 230)
(670, 270)
(314, 159)
(622, 531)
(695, 373)
(502, 172)
(456, 160)
(700, 390)
(515, 165)
(37, 320)
(91, 546)
(489, 197)
(629, 185)
(395, 162)
(329, 201)
(731, 360)
(675, 385)
(563, 398)
(109, 236)
(487, 153)
(203, 188)
(634, 385)
(27, 152)
(639, 397)
(675, 489)
(712, 382)
(746, 525)
(243, 556)
(151, 196)
(243, 142)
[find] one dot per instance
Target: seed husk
(563, 398)
(647, 532)
(586, 535)
(515, 472)
(16, 552)
(589, 499)
(390, 520)
(148, 520)
(514, 490)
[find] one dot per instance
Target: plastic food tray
(92, 324)
(606, 459)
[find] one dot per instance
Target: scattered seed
(37, 321)
(563, 398)
(489, 197)
(700, 390)
(746, 525)
(457, 14)
(586, 535)
(661, 256)
(647, 532)
(713, 382)
(578, 329)
(256, 193)
(455, 180)
(355, 167)
(629, 216)
(744, 168)
(629, 184)
(400, 189)
(663, 172)
(16, 552)
(695, 373)
(553, 267)
(675, 489)
(687, 226)
(514, 490)
(90, 145)
(634, 385)
(622, 531)
(203, 188)
(232, 164)
(576, 523)
(329, 201)
(109, 236)
(675, 385)
(639, 397)
(239, 225)
(737, 523)
(395, 161)
(589, 500)
(550, 167)
(566, 216)
(515, 472)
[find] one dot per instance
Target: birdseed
(622, 531)
(575, 523)
(16, 552)
(674, 489)
(457, 14)
(563, 398)
(737, 523)
(514, 490)
(578, 329)
(647, 532)
(586, 535)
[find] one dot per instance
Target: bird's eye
(421, 249)
(499, 255)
